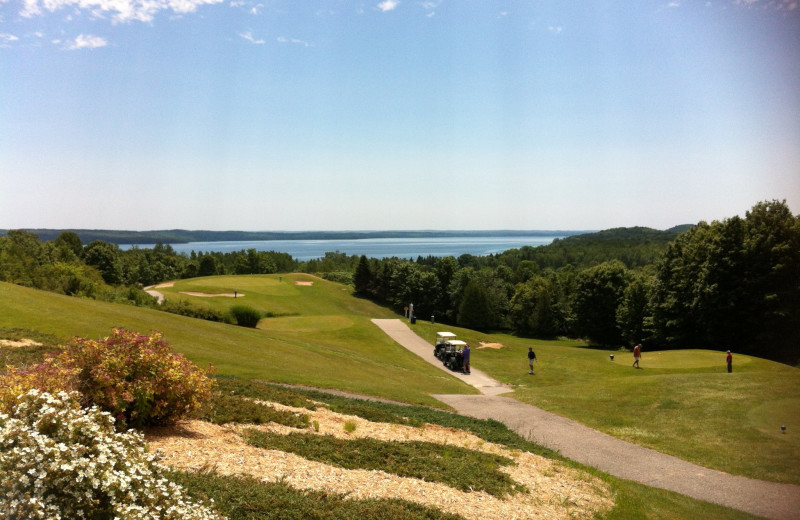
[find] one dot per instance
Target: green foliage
(475, 311)
(597, 297)
(185, 308)
(225, 408)
(735, 284)
(60, 461)
(362, 278)
(457, 467)
(136, 377)
(343, 277)
(245, 316)
(247, 498)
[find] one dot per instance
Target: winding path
(593, 448)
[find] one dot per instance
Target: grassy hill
(329, 341)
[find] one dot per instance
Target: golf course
(317, 334)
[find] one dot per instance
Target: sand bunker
(11, 343)
(490, 345)
(206, 295)
(165, 284)
(304, 283)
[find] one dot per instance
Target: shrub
(245, 316)
(185, 308)
(60, 461)
(137, 377)
(48, 376)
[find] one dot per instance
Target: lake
(371, 247)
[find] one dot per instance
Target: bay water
(406, 248)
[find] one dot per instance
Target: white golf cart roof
(445, 335)
(458, 343)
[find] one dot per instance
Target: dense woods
(728, 284)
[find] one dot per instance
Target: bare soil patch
(490, 345)
(10, 343)
(554, 490)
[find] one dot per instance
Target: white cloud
(293, 40)
(249, 37)
(86, 41)
(388, 5)
(119, 10)
(555, 29)
(6, 38)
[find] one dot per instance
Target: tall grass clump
(245, 316)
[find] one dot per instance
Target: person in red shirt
(729, 361)
(637, 355)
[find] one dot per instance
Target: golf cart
(452, 357)
(442, 339)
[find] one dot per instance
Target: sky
(395, 114)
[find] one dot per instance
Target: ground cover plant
(681, 402)
(457, 467)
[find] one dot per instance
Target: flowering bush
(49, 376)
(60, 461)
(137, 377)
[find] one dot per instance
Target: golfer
(637, 355)
(531, 359)
(729, 361)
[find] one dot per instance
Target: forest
(731, 284)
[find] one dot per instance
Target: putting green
(771, 415)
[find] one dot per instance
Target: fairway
(681, 402)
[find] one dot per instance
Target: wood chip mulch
(555, 491)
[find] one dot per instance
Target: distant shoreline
(182, 236)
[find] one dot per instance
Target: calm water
(371, 247)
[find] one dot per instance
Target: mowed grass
(339, 349)
(681, 402)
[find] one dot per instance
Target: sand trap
(10, 343)
(206, 295)
(165, 284)
(491, 345)
(304, 283)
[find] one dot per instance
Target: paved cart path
(593, 448)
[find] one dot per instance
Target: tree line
(728, 284)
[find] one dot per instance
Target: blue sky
(334, 115)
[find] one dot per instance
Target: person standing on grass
(465, 353)
(637, 355)
(531, 359)
(729, 361)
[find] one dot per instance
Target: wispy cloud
(249, 37)
(118, 10)
(388, 5)
(6, 39)
(430, 7)
(282, 39)
(555, 29)
(85, 41)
